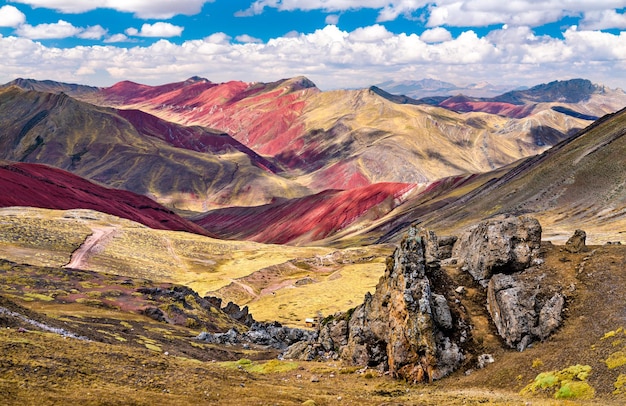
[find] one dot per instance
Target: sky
(335, 43)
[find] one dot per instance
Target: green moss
(575, 390)
(613, 333)
(619, 384)
(537, 363)
(243, 361)
(89, 302)
(152, 347)
(568, 383)
(273, 366)
(617, 359)
(38, 296)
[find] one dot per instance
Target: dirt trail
(93, 244)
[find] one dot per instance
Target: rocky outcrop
(269, 335)
(500, 254)
(520, 311)
(577, 242)
(407, 326)
(503, 245)
(412, 329)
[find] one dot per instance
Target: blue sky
(336, 43)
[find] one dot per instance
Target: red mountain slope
(262, 115)
(41, 186)
(466, 104)
(306, 219)
(194, 138)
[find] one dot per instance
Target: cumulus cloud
(245, 38)
(60, 29)
(600, 20)
(93, 32)
(463, 13)
(11, 17)
(158, 30)
(116, 38)
(140, 8)
(389, 9)
(332, 19)
(374, 33)
(334, 58)
(437, 34)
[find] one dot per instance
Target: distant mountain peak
(51, 86)
(197, 79)
(567, 91)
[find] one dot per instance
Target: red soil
(36, 185)
(264, 117)
(306, 219)
(498, 108)
(193, 138)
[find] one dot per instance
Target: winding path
(90, 246)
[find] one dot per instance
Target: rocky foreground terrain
(493, 315)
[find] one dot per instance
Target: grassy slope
(48, 238)
(578, 184)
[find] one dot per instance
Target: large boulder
(522, 311)
(501, 245)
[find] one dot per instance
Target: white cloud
(141, 8)
(332, 19)
(245, 38)
(334, 58)
(93, 32)
(437, 34)
(600, 20)
(11, 17)
(374, 33)
(116, 38)
(460, 13)
(60, 29)
(158, 30)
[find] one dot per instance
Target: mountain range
(254, 160)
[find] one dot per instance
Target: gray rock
(512, 304)
(446, 244)
(577, 242)
(404, 327)
(501, 245)
(484, 360)
(441, 312)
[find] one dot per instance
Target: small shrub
(537, 363)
